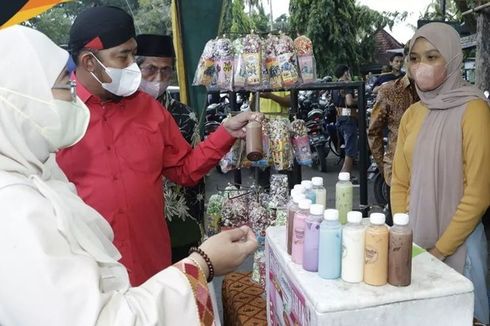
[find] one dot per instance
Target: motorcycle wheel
(333, 148)
(321, 158)
(380, 190)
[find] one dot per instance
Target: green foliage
(434, 11)
(259, 20)
(237, 21)
(240, 22)
(55, 24)
(341, 30)
(281, 23)
(152, 16)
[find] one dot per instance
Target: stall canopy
(194, 22)
(16, 11)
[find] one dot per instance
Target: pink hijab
(436, 184)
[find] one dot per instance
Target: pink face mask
(428, 77)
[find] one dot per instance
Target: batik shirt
(392, 101)
(184, 206)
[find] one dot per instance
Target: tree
(281, 23)
(56, 22)
(478, 23)
(153, 16)
(341, 31)
(259, 20)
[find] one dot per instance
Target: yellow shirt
(476, 170)
(270, 106)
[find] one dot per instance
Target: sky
(401, 31)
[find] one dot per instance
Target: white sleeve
(42, 282)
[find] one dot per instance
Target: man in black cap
(184, 206)
(131, 142)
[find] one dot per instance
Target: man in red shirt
(131, 142)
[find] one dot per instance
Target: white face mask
(155, 89)
(71, 125)
(125, 82)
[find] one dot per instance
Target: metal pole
(271, 20)
(476, 9)
(443, 9)
(363, 151)
(295, 175)
(237, 174)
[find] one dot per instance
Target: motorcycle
(313, 115)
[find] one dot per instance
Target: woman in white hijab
(59, 266)
(441, 173)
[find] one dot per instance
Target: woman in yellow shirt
(441, 172)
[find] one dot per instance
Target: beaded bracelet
(206, 259)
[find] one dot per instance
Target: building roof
(384, 41)
(385, 45)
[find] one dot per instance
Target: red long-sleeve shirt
(118, 166)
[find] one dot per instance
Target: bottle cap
(317, 181)
(306, 184)
(354, 217)
(299, 188)
(344, 176)
(298, 197)
(331, 215)
(377, 218)
(316, 209)
(400, 219)
(304, 204)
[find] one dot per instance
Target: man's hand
(236, 125)
(266, 95)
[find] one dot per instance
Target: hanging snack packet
(206, 71)
(279, 190)
(280, 144)
(259, 218)
(253, 64)
(239, 73)
(266, 159)
(224, 64)
(235, 209)
(231, 160)
(271, 62)
(306, 59)
(301, 142)
(213, 214)
(287, 61)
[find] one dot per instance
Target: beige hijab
(436, 185)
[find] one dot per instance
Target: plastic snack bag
(271, 62)
(252, 60)
(306, 59)
(213, 214)
(280, 144)
(206, 71)
(224, 64)
(287, 61)
(301, 142)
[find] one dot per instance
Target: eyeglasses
(152, 70)
(72, 86)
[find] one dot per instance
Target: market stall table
(438, 295)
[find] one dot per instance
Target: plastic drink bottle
(353, 248)
(312, 233)
(330, 251)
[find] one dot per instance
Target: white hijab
(30, 64)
